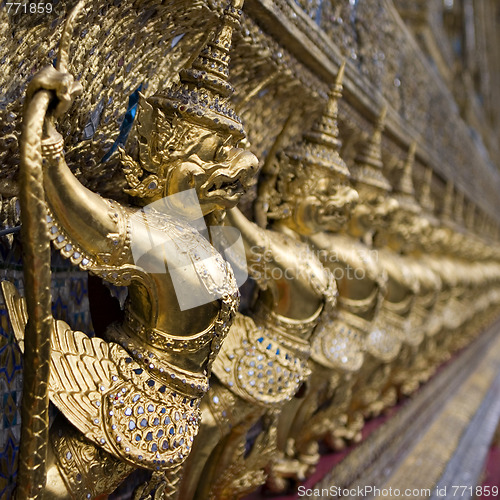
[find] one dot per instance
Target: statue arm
(280, 251)
(254, 238)
(278, 262)
(91, 222)
(95, 224)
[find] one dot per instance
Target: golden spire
(325, 130)
(368, 164)
(470, 216)
(321, 145)
(459, 207)
(405, 184)
(426, 201)
(404, 190)
(447, 211)
(202, 94)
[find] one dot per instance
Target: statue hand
(62, 85)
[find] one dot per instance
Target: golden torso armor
(144, 404)
(361, 286)
(356, 291)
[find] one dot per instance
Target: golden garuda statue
(133, 398)
(361, 281)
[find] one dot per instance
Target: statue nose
(390, 205)
(352, 197)
(251, 162)
(244, 163)
(346, 198)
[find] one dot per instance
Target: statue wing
(112, 399)
(81, 367)
(119, 49)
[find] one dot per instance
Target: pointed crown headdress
(447, 211)
(470, 215)
(404, 191)
(200, 97)
(459, 207)
(320, 146)
(367, 168)
(203, 92)
(426, 201)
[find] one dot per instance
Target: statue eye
(222, 152)
(206, 147)
(219, 154)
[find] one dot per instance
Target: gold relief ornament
(425, 322)
(454, 278)
(476, 295)
(426, 315)
(313, 196)
(162, 356)
(444, 309)
(309, 203)
(409, 230)
(261, 365)
(372, 215)
(340, 347)
(345, 345)
(136, 394)
(410, 284)
(264, 360)
(437, 258)
(460, 246)
(395, 242)
(34, 449)
(481, 291)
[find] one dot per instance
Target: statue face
(427, 240)
(317, 199)
(376, 208)
(441, 238)
(407, 228)
(327, 204)
(213, 165)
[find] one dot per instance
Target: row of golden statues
(360, 293)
